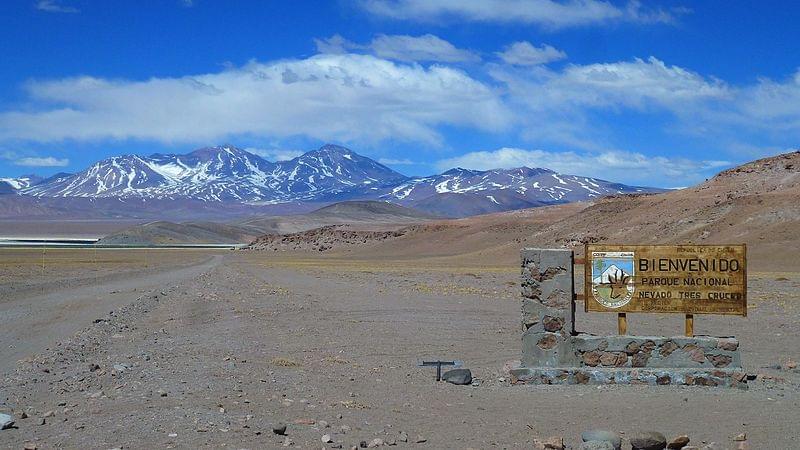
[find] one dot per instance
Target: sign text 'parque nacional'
(691, 279)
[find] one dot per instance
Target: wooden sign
(688, 279)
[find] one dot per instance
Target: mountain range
(226, 174)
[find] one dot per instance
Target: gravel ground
(217, 355)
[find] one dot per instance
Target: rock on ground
(6, 421)
(458, 376)
(648, 440)
(611, 437)
(551, 443)
(596, 445)
(679, 442)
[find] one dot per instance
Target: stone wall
(548, 317)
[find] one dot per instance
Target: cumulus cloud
(364, 99)
(53, 6)
(767, 112)
(567, 106)
(546, 13)
(630, 167)
(327, 97)
(47, 161)
(524, 53)
(396, 162)
(401, 48)
(635, 84)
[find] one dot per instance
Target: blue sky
(655, 93)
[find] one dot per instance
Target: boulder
(611, 437)
(648, 440)
(6, 421)
(279, 428)
(551, 443)
(678, 442)
(458, 376)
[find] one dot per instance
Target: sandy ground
(211, 349)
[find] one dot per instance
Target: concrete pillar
(548, 309)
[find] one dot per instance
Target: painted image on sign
(613, 278)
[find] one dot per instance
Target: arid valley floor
(211, 348)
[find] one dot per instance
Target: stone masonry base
(652, 377)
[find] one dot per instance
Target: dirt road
(33, 322)
(216, 359)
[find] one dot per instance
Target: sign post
(622, 279)
(688, 279)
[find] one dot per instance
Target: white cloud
(327, 97)
(524, 53)
(275, 154)
(547, 13)
(767, 104)
(335, 44)
(567, 106)
(47, 161)
(766, 113)
(633, 84)
(401, 48)
(53, 6)
(396, 162)
(423, 48)
(364, 99)
(629, 167)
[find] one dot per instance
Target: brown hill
(169, 233)
(322, 239)
(363, 215)
(354, 215)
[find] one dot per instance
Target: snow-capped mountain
(534, 185)
(610, 275)
(223, 173)
(210, 174)
(330, 174)
(11, 185)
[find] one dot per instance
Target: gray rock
(458, 376)
(279, 428)
(6, 421)
(611, 437)
(648, 440)
(597, 445)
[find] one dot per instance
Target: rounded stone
(597, 445)
(678, 442)
(458, 376)
(648, 440)
(6, 421)
(611, 437)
